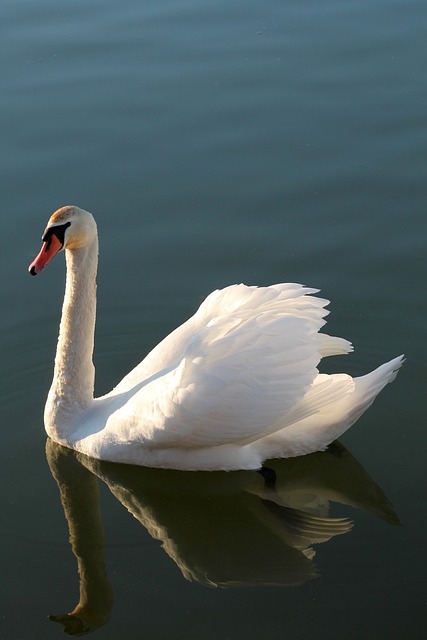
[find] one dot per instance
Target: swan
(234, 385)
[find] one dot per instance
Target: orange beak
(49, 249)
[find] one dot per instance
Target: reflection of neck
(74, 374)
(80, 499)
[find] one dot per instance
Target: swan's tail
(329, 408)
(366, 389)
(371, 384)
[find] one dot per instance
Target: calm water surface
(215, 143)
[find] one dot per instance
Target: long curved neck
(74, 374)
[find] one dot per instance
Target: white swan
(234, 385)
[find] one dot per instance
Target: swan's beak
(49, 249)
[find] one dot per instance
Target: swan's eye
(58, 231)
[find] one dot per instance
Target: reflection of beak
(48, 250)
(73, 625)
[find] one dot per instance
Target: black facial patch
(58, 231)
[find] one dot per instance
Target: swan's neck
(74, 374)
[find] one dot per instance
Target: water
(218, 143)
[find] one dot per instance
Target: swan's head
(68, 228)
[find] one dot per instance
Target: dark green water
(217, 142)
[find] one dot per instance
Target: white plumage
(235, 384)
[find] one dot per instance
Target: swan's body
(234, 385)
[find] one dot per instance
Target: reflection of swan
(234, 385)
(220, 529)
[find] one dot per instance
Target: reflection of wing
(301, 529)
(223, 541)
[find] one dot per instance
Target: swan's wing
(252, 356)
(286, 298)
